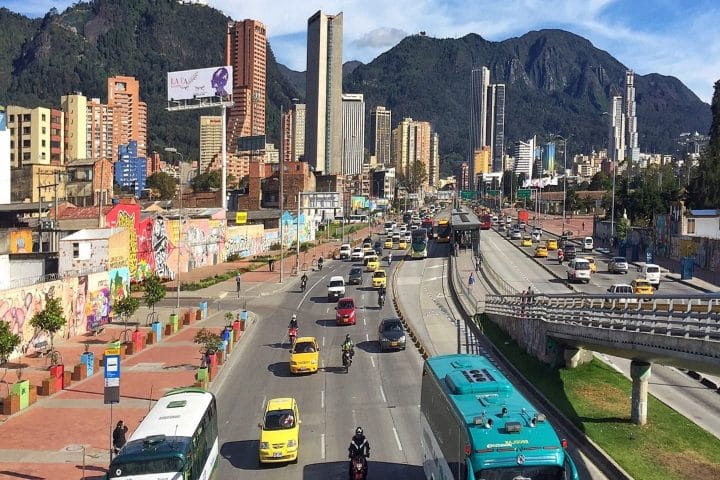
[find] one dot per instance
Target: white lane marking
(364, 322)
(382, 394)
(322, 364)
(327, 310)
(308, 291)
(262, 405)
(322, 446)
(397, 439)
(372, 360)
(323, 342)
(354, 417)
(322, 399)
(432, 278)
(367, 337)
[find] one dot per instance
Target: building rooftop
(705, 213)
(92, 234)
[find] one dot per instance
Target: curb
(396, 305)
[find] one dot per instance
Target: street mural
(244, 240)
(160, 249)
(97, 303)
(21, 241)
(129, 221)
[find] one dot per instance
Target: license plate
(277, 454)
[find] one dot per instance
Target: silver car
(618, 265)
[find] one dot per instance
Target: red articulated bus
(485, 222)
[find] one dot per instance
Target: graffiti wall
(21, 241)
(97, 299)
(200, 242)
(244, 240)
(127, 216)
(145, 256)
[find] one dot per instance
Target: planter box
(67, 379)
(168, 330)
(96, 364)
(11, 404)
(32, 394)
(220, 357)
(186, 320)
(48, 387)
(79, 373)
(151, 338)
(198, 314)
(129, 348)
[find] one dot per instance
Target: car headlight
(264, 445)
(291, 443)
(293, 362)
(401, 339)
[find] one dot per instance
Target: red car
(345, 311)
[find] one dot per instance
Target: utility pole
(282, 193)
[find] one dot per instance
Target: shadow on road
(242, 454)
(320, 300)
(370, 347)
(339, 470)
(328, 323)
(280, 369)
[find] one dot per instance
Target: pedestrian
(237, 282)
(471, 279)
(583, 225)
(271, 264)
(119, 436)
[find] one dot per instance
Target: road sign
(523, 193)
(493, 193)
(467, 194)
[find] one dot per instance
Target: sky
(679, 38)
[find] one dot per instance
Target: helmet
(358, 431)
(294, 316)
(347, 336)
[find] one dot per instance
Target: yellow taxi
(388, 242)
(402, 244)
(641, 286)
(305, 355)
(280, 431)
(526, 242)
(379, 279)
(593, 264)
(551, 244)
(373, 263)
(541, 251)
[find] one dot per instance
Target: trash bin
(174, 322)
(157, 328)
(22, 390)
(88, 360)
(203, 306)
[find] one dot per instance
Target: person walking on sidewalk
(271, 264)
(119, 436)
(237, 282)
(471, 280)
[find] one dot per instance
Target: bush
(233, 257)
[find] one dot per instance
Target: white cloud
(383, 37)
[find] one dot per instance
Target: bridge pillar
(574, 357)
(640, 374)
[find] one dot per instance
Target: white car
(336, 288)
(345, 251)
(625, 290)
(578, 270)
(651, 272)
(357, 254)
(588, 244)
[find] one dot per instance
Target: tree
(231, 181)
(418, 175)
(162, 182)
(207, 182)
(154, 291)
(623, 227)
(49, 320)
(703, 191)
(600, 181)
(8, 341)
(126, 307)
(210, 341)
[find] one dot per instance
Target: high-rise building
(524, 158)
(4, 158)
(548, 157)
(286, 136)
(434, 176)
(381, 134)
(298, 132)
(616, 141)
(487, 118)
(129, 113)
(210, 139)
(130, 168)
(411, 141)
(323, 130)
(99, 123)
(353, 132)
(74, 107)
(463, 176)
(633, 150)
(36, 136)
(246, 52)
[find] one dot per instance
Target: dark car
(378, 246)
(356, 276)
(570, 251)
(391, 334)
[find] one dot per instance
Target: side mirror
(299, 422)
(259, 425)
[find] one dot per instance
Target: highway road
(381, 392)
(670, 385)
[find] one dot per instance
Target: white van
(623, 289)
(651, 272)
(578, 270)
(587, 244)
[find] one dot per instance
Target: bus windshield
(542, 472)
(145, 466)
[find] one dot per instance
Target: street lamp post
(564, 139)
(180, 192)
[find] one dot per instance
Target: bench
(97, 328)
(42, 348)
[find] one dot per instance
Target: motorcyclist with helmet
(293, 329)
(560, 255)
(348, 346)
(320, 263)
(303, 282)
(359, 448)
(381, 297)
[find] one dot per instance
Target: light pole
(180, 193)
(564, 139)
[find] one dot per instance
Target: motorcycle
(320, 264)
(292, 335)
(381, 301)
(347, 360)
(303, 285)
(561, 258)
(359, 468)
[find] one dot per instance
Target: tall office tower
(286, 136)
(380, 134)
(323, 130)
(616, 141)
(100, 123)
(463, 176)
(548, 157)
(298, 132)
(524, 158)
(434, 176)
(129, 113)
(403, 146)
(423, 134)
(210, 139)
(36, 136)
(74, 108)
(487, 118)
(633, 151)
(246, 52)
(353, 131)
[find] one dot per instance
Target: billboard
(359, 202)
(321, 200)
(199, 83)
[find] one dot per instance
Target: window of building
(44, 130)
(76, 250)
(26, 143)
(12, 118)
(43, 143)
(26, 131)
(43, 117)
(691, 226)
(26, 117)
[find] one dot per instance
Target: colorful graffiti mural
(244, 240)
(21, 241)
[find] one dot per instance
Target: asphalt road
(673, 387)
(381, 392)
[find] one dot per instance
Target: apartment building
(36, 136)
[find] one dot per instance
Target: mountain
(77, 50)
(556, 82)
(298, 79)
